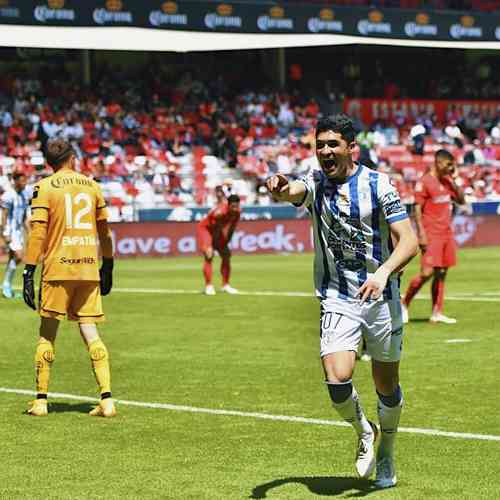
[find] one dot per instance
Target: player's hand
(106, 275)
(279, 187)
(29, 285)
(374, 286)
(423, 243)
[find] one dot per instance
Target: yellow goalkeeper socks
(44, 357)
(100, 363)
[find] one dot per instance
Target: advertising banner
(170, 239)
(370, 110)
(255, 17)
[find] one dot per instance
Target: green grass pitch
(248, 353)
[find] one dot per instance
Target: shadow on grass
(322, 485)
(419, 320)
(70, 407)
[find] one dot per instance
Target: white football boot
(210, 290)
(386, 473)
(229, 289)
(365, 456)
(441, 318)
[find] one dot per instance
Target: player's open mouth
(329, 164)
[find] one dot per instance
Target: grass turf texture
(253, 354)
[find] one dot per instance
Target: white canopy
(117, 38)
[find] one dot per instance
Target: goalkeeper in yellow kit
(69, 217)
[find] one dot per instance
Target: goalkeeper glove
(29, 285)
(106, 275)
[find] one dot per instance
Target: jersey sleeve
(101, 208)
(6, 200)
(390, 201)
(40, 203)
(310, 181)
(421, 193)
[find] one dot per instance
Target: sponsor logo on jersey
(275, 20)
(78, 241)
(6, 10)
(325, 22)
(113, 13)
(53, 11)
(80, 260)
(351, 264)
(222, 18)
(374, 24)
(466, 28)
(168, 15)
(60, 182)
(420, 27)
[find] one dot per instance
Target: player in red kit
(214, 233)
(434, 194)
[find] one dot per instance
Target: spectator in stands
(417, 137)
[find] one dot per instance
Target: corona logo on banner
(7, 11)
(114, 5)
(421, 26)
(223, 18)
(374, 24)
(276, 20)
(325, 22)
(169, 8)
(466, 28)
(56, 4)
(53, 11)
(113, 13)
(168, 15)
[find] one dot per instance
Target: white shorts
(343, 323)
(16, 241)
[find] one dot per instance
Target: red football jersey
(220, 218)
(435, 195)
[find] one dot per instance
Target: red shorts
(206, 240)
(440, 252)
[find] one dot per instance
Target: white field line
(490, 297)
(263, 416)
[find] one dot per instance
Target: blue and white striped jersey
(17, 205)
(351, 230)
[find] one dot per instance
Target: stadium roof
(127, 38)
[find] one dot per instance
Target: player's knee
(391, 398)
(427, 273)
(440, 273)
(209, 254)
(45, 352)
(339, 392)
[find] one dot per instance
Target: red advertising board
(169, 239)
(162, 239)
(370, 110)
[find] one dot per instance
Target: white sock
(352, 412)
(389, 420)
(9, 272)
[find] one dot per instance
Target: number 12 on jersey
(81, 201)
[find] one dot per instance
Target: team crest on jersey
(343, 200)
(35, 192)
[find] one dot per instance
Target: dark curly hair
(340, 123)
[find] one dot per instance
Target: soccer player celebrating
(356, 213)
(15, 207)
(214, 234)
(434, 194)
(68, 217)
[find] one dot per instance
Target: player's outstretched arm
(36, 244)
(282, 189)
(406, 248)
(106, 242)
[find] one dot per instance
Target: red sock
(415, 285)
(437, 295)
(225, 270)
(207, 271)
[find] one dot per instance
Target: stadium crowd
(172, 147)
